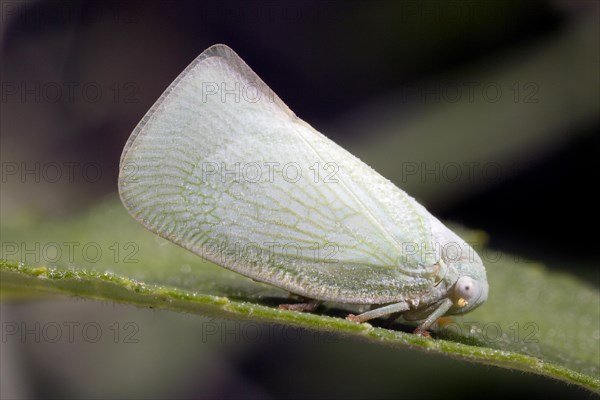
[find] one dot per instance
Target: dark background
(368, 75)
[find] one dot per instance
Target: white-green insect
(222, 167)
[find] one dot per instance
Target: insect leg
(379, 312)
(434, 316)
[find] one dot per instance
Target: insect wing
(222, 167)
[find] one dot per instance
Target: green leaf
(535, 320)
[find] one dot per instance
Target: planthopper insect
(222, 167)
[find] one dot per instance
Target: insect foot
(353, 318)
(422, 332)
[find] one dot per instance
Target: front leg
(422, 329)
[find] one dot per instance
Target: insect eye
(466, 288)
